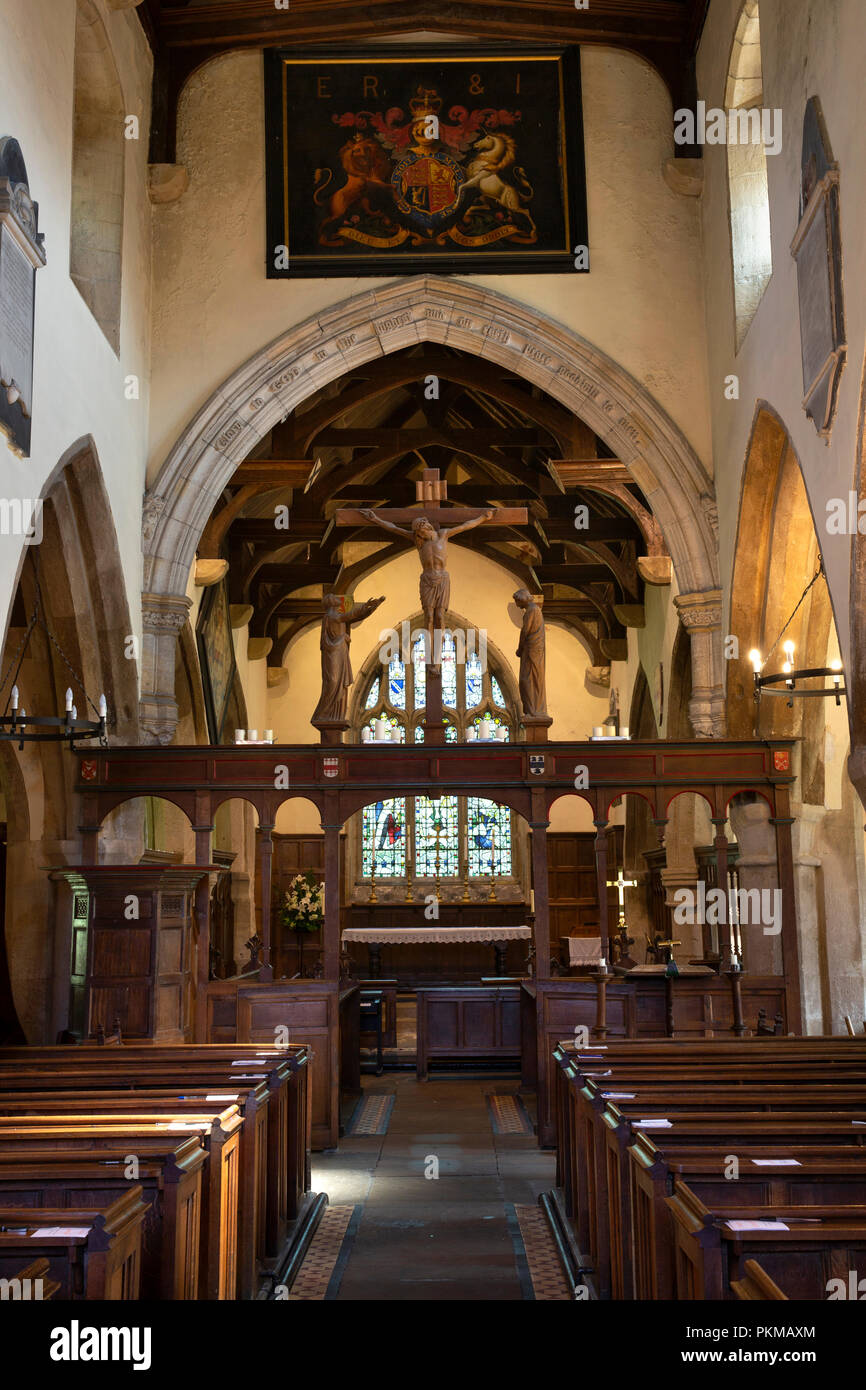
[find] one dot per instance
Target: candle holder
(465, 897)
(436, 868)
(410, 896)
(372, 898)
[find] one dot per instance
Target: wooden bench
(32, 1282)
(755, 1284)
(90, 1253)
(220, 1133)
(170, 1176)
(276, 1176)
(767, 1178)
(804, 1247)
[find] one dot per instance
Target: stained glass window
(420, 672)
(397, 683)
(436, 835)
(384, 835)
(489, 838)
(498, 697)
(474, 684)
(449, 671)
(373, 695)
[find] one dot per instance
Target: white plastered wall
(79, 383)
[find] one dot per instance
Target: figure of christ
(530, 650)
(431, 542)
(336, 666)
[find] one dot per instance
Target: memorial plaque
(817, 249)
(21, 255)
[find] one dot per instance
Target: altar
(437, 934)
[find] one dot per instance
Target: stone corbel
(259, 647)
(597, 675)
(208, 572)
(630, 614)
(162, 618)
(684, 176)
(278, 678)
(166, 183)
(123, 4)
(701, 616)
(240, 614)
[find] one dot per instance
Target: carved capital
(700, 612)
(164, 613)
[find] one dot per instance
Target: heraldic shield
(427, 190)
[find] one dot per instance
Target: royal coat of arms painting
(454, 160)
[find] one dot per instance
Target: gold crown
(426, 102)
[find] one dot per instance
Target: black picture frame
(536, 225)
(216, 654)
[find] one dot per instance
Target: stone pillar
(162, 617)
(701, 616)
(811, 920)
(757, 869)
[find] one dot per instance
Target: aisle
(394, 1233)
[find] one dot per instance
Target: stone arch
(479, 321)
(84, 597)
(98, 156)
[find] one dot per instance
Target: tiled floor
(435, 1198)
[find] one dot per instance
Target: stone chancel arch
(369, 326)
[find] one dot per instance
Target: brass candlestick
(491, 896)
(436, 866)
(465, 897)
(410, 896)
(372, 898)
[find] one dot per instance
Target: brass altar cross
(432, 491)
(621, 884)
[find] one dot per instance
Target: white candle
(252, 735)
(381, 729)
(269, 735)
(623, 733)
(602, 963)
(502, 733)
(532, 900)
(484, 729)
(240, 735)
(366, 734)
(598, 731)
(471, 734)
(395, 734)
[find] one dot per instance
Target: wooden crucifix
(429, 527)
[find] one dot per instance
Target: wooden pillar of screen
(89, 829)
(266, 855)
(540, 883)
(720, 844)
(782, 822)
(434, 729)
(203, 831)
(331, 928)
(601, 885)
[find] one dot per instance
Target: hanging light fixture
(17, 726)
(789, 682)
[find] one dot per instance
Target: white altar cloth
(405, 936)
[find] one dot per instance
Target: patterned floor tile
(314, 1276)
(545, 1270)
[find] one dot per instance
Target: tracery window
(449, 837)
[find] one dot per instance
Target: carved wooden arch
(479, 321)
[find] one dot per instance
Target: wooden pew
(32, 1282)
(220, 1132)
(170, 1175)
(90, 1253)
(592, 1138)
(768, 1178)
(805, 1247)
(282, 1164)
(755, 1284)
